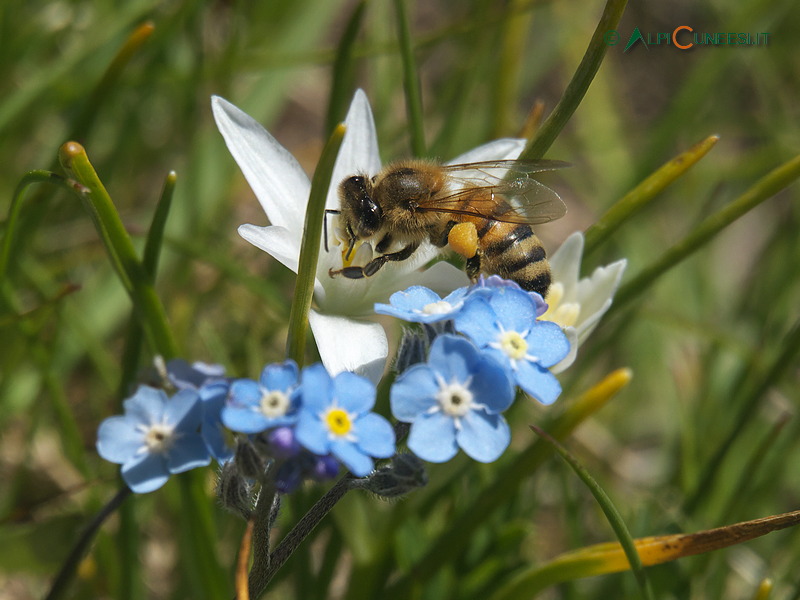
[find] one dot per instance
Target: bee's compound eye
(354, 186)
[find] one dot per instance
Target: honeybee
(483, 211)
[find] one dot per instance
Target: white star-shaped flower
(577, 305)
(345, 339)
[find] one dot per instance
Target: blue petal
(245, 393)
(375, 436)
(214, 437)
(146, 406)
(280, 376)
(244, 420)
(548, 343)
(317, 391)
(312, 433)
(477, 321)
(147, 474)
(183, 375)
(538, 382)
(413, 393)
(354, 393)
(188, 452)
(359, 463)
(213, 392)
(515, 309)
(118, 441)
(482, 436)
(185, 411)
(413, 299)
(453, 357)
(492, 385)
(433, 438)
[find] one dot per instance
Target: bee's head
(362, 216)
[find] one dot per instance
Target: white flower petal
(502, 149)
(572, 336)
(565, 265)
(595, 292)
(442, 278)
(278, 242)
(277, 179)
(586, 326)
(349, 344)
(359, 150)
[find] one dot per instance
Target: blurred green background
(705, 435)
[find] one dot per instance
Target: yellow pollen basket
(513, 344)
(338, 421)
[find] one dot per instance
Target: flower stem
(309, 250)
(80, 548)
(410, 81)
(262, 520)
(580, 82)
(302, 529)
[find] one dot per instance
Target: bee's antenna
(350, 248)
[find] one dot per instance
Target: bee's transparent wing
(502, 190)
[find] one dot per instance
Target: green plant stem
(410, 81)
(304, 527)
(309, 250)
(576, 89)
(640, 196)
(262, 518)
(67, 571)
(344, 70)
(152, 250)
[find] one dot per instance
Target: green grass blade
(640, 196)
(152, 250)
(12, 222)
(786, 358)
(309, 250)
(85, 120)
(410, 81)
(608, 508)
(120, 249)
(343, 75)
(576, 89)
(764, 188)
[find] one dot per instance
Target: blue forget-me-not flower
(454, 401)
(335, 418)
(504, 324)
(157, 436)
(272, 401)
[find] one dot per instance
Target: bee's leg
(375, 264)
(384, 244)
(473, 266)
(440, 239)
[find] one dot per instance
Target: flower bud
(234, 491)
(405, 473)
